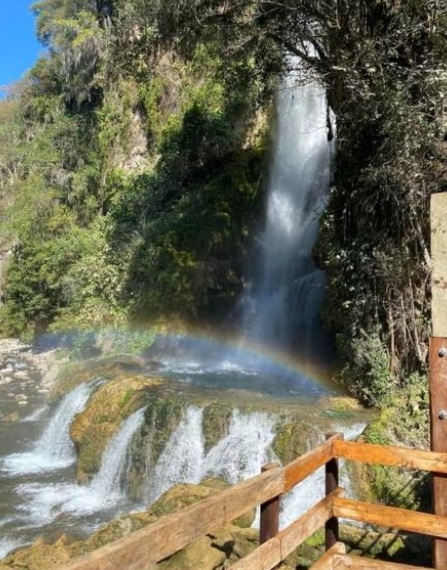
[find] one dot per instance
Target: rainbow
(212, 341)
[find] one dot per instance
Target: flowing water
(42, 496)
(237, 456)
(38, 491)
(54, 449)
(284, 302)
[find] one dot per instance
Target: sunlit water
(39, 494)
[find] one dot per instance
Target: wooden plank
(343, 562)
(155, 542)
(326, 562)
(393, 456)
(439, 264)
(300, 530)
(438, 428)
(265, 557)
(305, 465)
(411, 521)
(272, 552)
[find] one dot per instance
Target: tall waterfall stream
(39, 494)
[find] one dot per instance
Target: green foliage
(368, 371)
(135, 179)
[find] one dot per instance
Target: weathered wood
(439, 264)
(327, 560)
(305, 465)
(265, 557)
(393, 456)
(411, 521)
(343, 561)
(272, 552)
(149, 545)
(438, 360)
(438, 426)
(331, 481)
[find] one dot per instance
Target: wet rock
(154, 366)
(21, 375)
(110, 404)
(13, 417)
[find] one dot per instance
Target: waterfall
(45, 502)
(54, 449)
(237, 456)
(307, 493)
(107, 481)
(285, 300)
(242, 452)
(182, 458)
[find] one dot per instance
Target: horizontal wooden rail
(326, 562)
(149, 545)
(272, 552)
(305, 465)
(410, 521)
(393, 456)
(347, 562)
(155, 542)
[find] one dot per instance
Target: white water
(242, 452)
(54, 450)
(182, 458)
(285, 300)
(238, 455)
(46, 502)
(305, 495)
(7, 545)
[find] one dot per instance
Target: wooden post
(332, 481)
(438, 361)
(269, 513)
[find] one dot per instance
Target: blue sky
(19, 48)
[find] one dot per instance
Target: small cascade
(182, 459)
(54, 449)
(47, 502)
(283, 305)
(243, 451)
(238, 455)
(307, 493)
(107, 481)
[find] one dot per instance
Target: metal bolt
(442, 415)
(442, 352)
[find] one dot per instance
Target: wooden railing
(142, 549)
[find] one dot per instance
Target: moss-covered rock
(293, 438)
(109, 367)
(92, 429)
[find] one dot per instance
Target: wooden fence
(142, 549)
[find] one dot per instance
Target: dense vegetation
(135, 152)
(135, 174)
